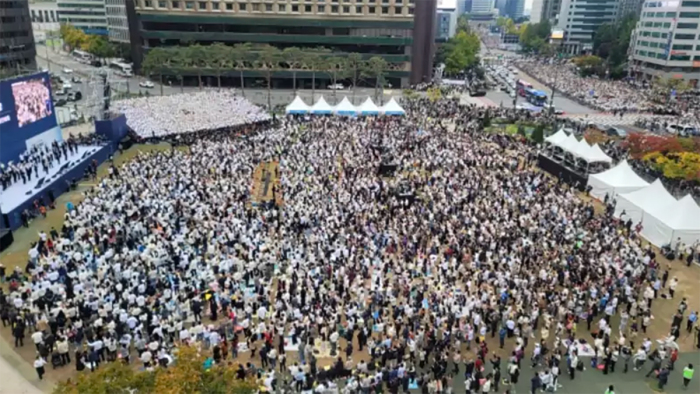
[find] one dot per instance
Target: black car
(60, 102)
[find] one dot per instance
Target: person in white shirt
(39, 363)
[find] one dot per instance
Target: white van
(683, 131)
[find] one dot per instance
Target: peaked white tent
(640, 204)
(368, 108)
(679, 221)
(599, 155)
(297, 106)
(345, 107)
(392, 108)
(617, 180)
(556, 137)
(321, 107)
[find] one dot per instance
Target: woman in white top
(39, 366)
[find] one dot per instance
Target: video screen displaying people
(32, 100)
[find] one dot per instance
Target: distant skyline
(452, 4)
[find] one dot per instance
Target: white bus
(82, 56)
(124, 68)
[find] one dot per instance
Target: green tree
(538, 134)
(294, 57)
(463, 23)
(155, 61)
(181, 61)
(72, 36)
(611, 42)
(269, 58)
(313, 62)
(242, 55)
(376, 68)
(219, 55)
(196, 58)
(463, 50)
(355, 64)
(335, 66)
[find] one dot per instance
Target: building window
(358, 9)
(667, 25)
(663, 35)
(321, 9)
(346, 9)
(398, 10)
(682, 47)
(148, 4)
(670, 15)
(680, 57)
(229, 6)
(295, 8)
(684, 36)
(189, 5)
(385, 10)
(268, 7)
(242, 7)
(371, 9)
(410, 10)
(281, 8)
(175, 4)
(694, 15)
(687, 26)
(334, 9)
(385, 1)
(161, 4)
(690, 4)
(256, 7)
(202, 5)
(372, 1)
(308, 9)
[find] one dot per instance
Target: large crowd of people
(37, 157)
(613, 96)
(460, 265)
(32, 101)
(185, 113)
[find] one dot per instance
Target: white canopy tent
(392, 108)
(681, 220)
(321, 107)
(368, 108)
(556, 137)
(345, 108)
(640, 204)
(297, 106)
(598, 155)
(617, 180)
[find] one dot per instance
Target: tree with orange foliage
(640, 144)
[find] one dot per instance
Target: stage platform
(563, 172)
(48, 186)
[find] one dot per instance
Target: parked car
(336, 86)
(67, 71)
(61, 92)
(146, 84)
(680, 130)
(60, 102)
(76, 80)
(616, 132)
(66, 85)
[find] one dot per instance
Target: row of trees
(507, 25)
(220, 59)
(97, 46)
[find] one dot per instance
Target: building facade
(446, 23)
(666, 41)
(117, 21)
(580, 19)
(482, 9)
(87, 15)
(545, 10)
(44, 14)
(515, 9)
(400, 31)
(627, 7)
(17, 49)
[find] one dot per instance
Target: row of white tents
(344, 108)
(579, 149)
(664, 219)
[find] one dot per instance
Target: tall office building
(17, 50)
(446, 23)
(514, 9)
(481, 7)
(44, 14)
(580, 19)
(87, 15)
(400, 31)
(536, 11)
(628, 7)
(666, 42)
(117, 22)
(545, 10)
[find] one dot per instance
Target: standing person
(687, 375)
(610, 390)
(39, 366)
(663, 377)
(692, 318)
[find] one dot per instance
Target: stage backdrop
(27, 115)
(114, 129)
